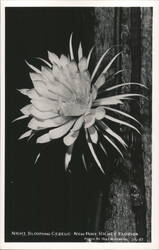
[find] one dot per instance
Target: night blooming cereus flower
(63, 100)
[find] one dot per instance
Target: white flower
(63, 100)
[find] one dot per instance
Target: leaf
(33, 68)
(26, 134)
(71, 49)
(113, 144)
(121, 122)
(89, 56)
(80, 52)
(98, 64)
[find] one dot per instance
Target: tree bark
(128, 206)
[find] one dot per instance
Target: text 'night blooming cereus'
(66, 98)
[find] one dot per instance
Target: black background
(43, 197)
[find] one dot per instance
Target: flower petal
(70, 138)
(100, 113)
(42, 115)
(64, 61)
(43, 139)
(44, 104)
(93, 153)
(26, 134)
(89, 56)
(70, 47)
(33, 68)
(93, 134)
(20, 118)
(62, 130)
(26, 109)
(121, 122)
(35, 76)
(113, 144)
(68, 156)
(100, 81)
(110, 63)
(82, 64)
(78, 124)
(80, 52)
(53, 58)
(122, 113)
(125, 84)
(89, 120)
(54, 122)
(47, 73)
(98, 64)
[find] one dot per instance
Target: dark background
(44, 197)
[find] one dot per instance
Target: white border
(155, 124)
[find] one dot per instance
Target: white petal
(44, 104)
(113, 144)
(33, 124)
(89, 56)
(64, 61)
(93, 134)
(20, 118)
(61, 131)
(83, 64)
(93, 153)
(42, 115)
(44, 92)
(53, 58)
(98, 64)
(35, 76)
(26, 109)
(26, 134)
(110, 63)
(121, 122)
(43, 139)
(33, 68)
(70, 138)
(73, 67)
(89, 120)
(68, 156)
(100, 113)
(100, 81)
(70, 47)
(47, 73)
(78, 124)
(54, 122)
(80, 52)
